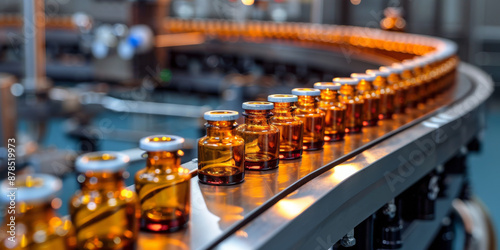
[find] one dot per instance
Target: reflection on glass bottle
(334, 110)
(262, 139)
(291, 128)
(104, 212)
(353, 102)
(312, 117)
(163, 186)
(221, 153)
(30, 219)
(371, 100)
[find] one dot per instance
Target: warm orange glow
(343, 172)
(290, 208)
(247, 2)
(181, 39)
(356, 2)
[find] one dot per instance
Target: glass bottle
(371, 100)
(262, 140)
(334, 110)
(409, 84)
(30, 220)
(353, 102)
(104, 212)
(163, 186)
(398, 86)
(385, 91)
(291, 128)
(221, 153)
(312, 117)
(412, 74)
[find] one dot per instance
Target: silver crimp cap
(157, 143)
(102, 161)
(366, 77)
(282, 98)
(306, 91)
(345, 80)
(221, 115)
(327, 85)
(31, 188)
(258, 105)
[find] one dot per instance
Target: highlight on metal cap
(306, 92)
(156, 143)
(361, 76)
(31, 188)
(256, 105)
(397, 67)
(345, 80)
(221, 115)
(282, 98)
(382, 73)
(102, 161)
(327, 85)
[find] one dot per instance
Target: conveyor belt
(270, 207)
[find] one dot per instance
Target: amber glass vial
(163, 186)
(334, 110)
(408, 82)
(221, 153)
(371, 99)
(400, 89)
(312, 117)
(385, 92)
(104, 212)
(262, 139)
(291, 128)
(30, 219)
(354, 104)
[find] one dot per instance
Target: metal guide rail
(313, 201)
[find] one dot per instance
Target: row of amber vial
(285, 125)
(105, 214)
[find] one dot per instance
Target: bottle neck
(394, 78)
(364, 87)
(220, 128)
(257, 117)
(347, 91)
(328, 95)
(164, 160)
(102, 181)
(283, 109)
(307, 102)
(380, 82)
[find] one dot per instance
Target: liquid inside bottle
(221, 153)
(104, 212)
(291, 127)
(262, 140)
(354, 104)
(163, 186)
(334, 110)
(35, 224)
(386, 93)
(312, 117)
(371, 100)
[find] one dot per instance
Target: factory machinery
(401, 184)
